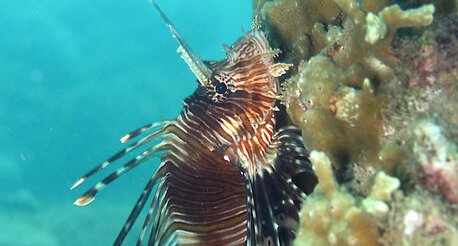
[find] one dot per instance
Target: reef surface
(374, 90)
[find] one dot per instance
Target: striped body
(226, 177)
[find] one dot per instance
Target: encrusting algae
(373, 89)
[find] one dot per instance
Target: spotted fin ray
(274, 195)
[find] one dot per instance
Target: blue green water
(76, 76)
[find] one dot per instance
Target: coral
(291, 22)
(442, 6)
(425, 112)
(333, 216)
(419, 219)
(373, 88)
(331, 113)
(438, 160)
(336, 96)
(299, 28)
(437, 54)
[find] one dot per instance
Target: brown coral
(338, 119)
(291, 23)
(362, 94)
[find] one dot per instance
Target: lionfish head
(245, 73)
(247, 78)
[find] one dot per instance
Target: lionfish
(227, 176)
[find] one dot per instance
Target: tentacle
(155, 233)
(141, 130)
(136, 210)
(152, 210)
(89, 195)
(129, 148)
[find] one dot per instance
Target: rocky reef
(374, 90)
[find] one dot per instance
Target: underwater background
(75, 77)
(373, 88)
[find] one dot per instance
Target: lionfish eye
(221, 88)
